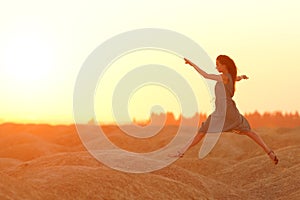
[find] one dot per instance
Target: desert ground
(50, 162)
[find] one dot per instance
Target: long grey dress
(226, 116)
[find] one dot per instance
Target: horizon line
(144, 121)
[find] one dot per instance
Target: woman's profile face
(220, 67)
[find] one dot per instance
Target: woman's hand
(238, 78)
(244, 77)
(187, 61)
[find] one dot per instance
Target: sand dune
(49, 162)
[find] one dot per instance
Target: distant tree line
(256, 119)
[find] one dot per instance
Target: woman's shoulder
(225, 78)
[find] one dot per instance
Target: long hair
(231, 67)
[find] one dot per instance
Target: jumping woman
(234, 121)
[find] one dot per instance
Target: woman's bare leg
(258, 140)
(193, 142)
(262, 144)
(196, 140)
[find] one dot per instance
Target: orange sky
(43, 47)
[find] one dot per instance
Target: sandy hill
(49, 162)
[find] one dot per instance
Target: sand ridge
(50, 162)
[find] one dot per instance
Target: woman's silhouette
(234, 121)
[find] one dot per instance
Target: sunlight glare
(29, 56)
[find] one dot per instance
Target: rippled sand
(50, 162)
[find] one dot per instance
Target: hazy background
(43, 45)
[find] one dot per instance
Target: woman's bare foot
(178, 154)
(273, 157)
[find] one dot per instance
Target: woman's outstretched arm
(203, 73)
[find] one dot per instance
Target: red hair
(231, 67)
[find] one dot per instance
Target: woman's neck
(225, 72)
